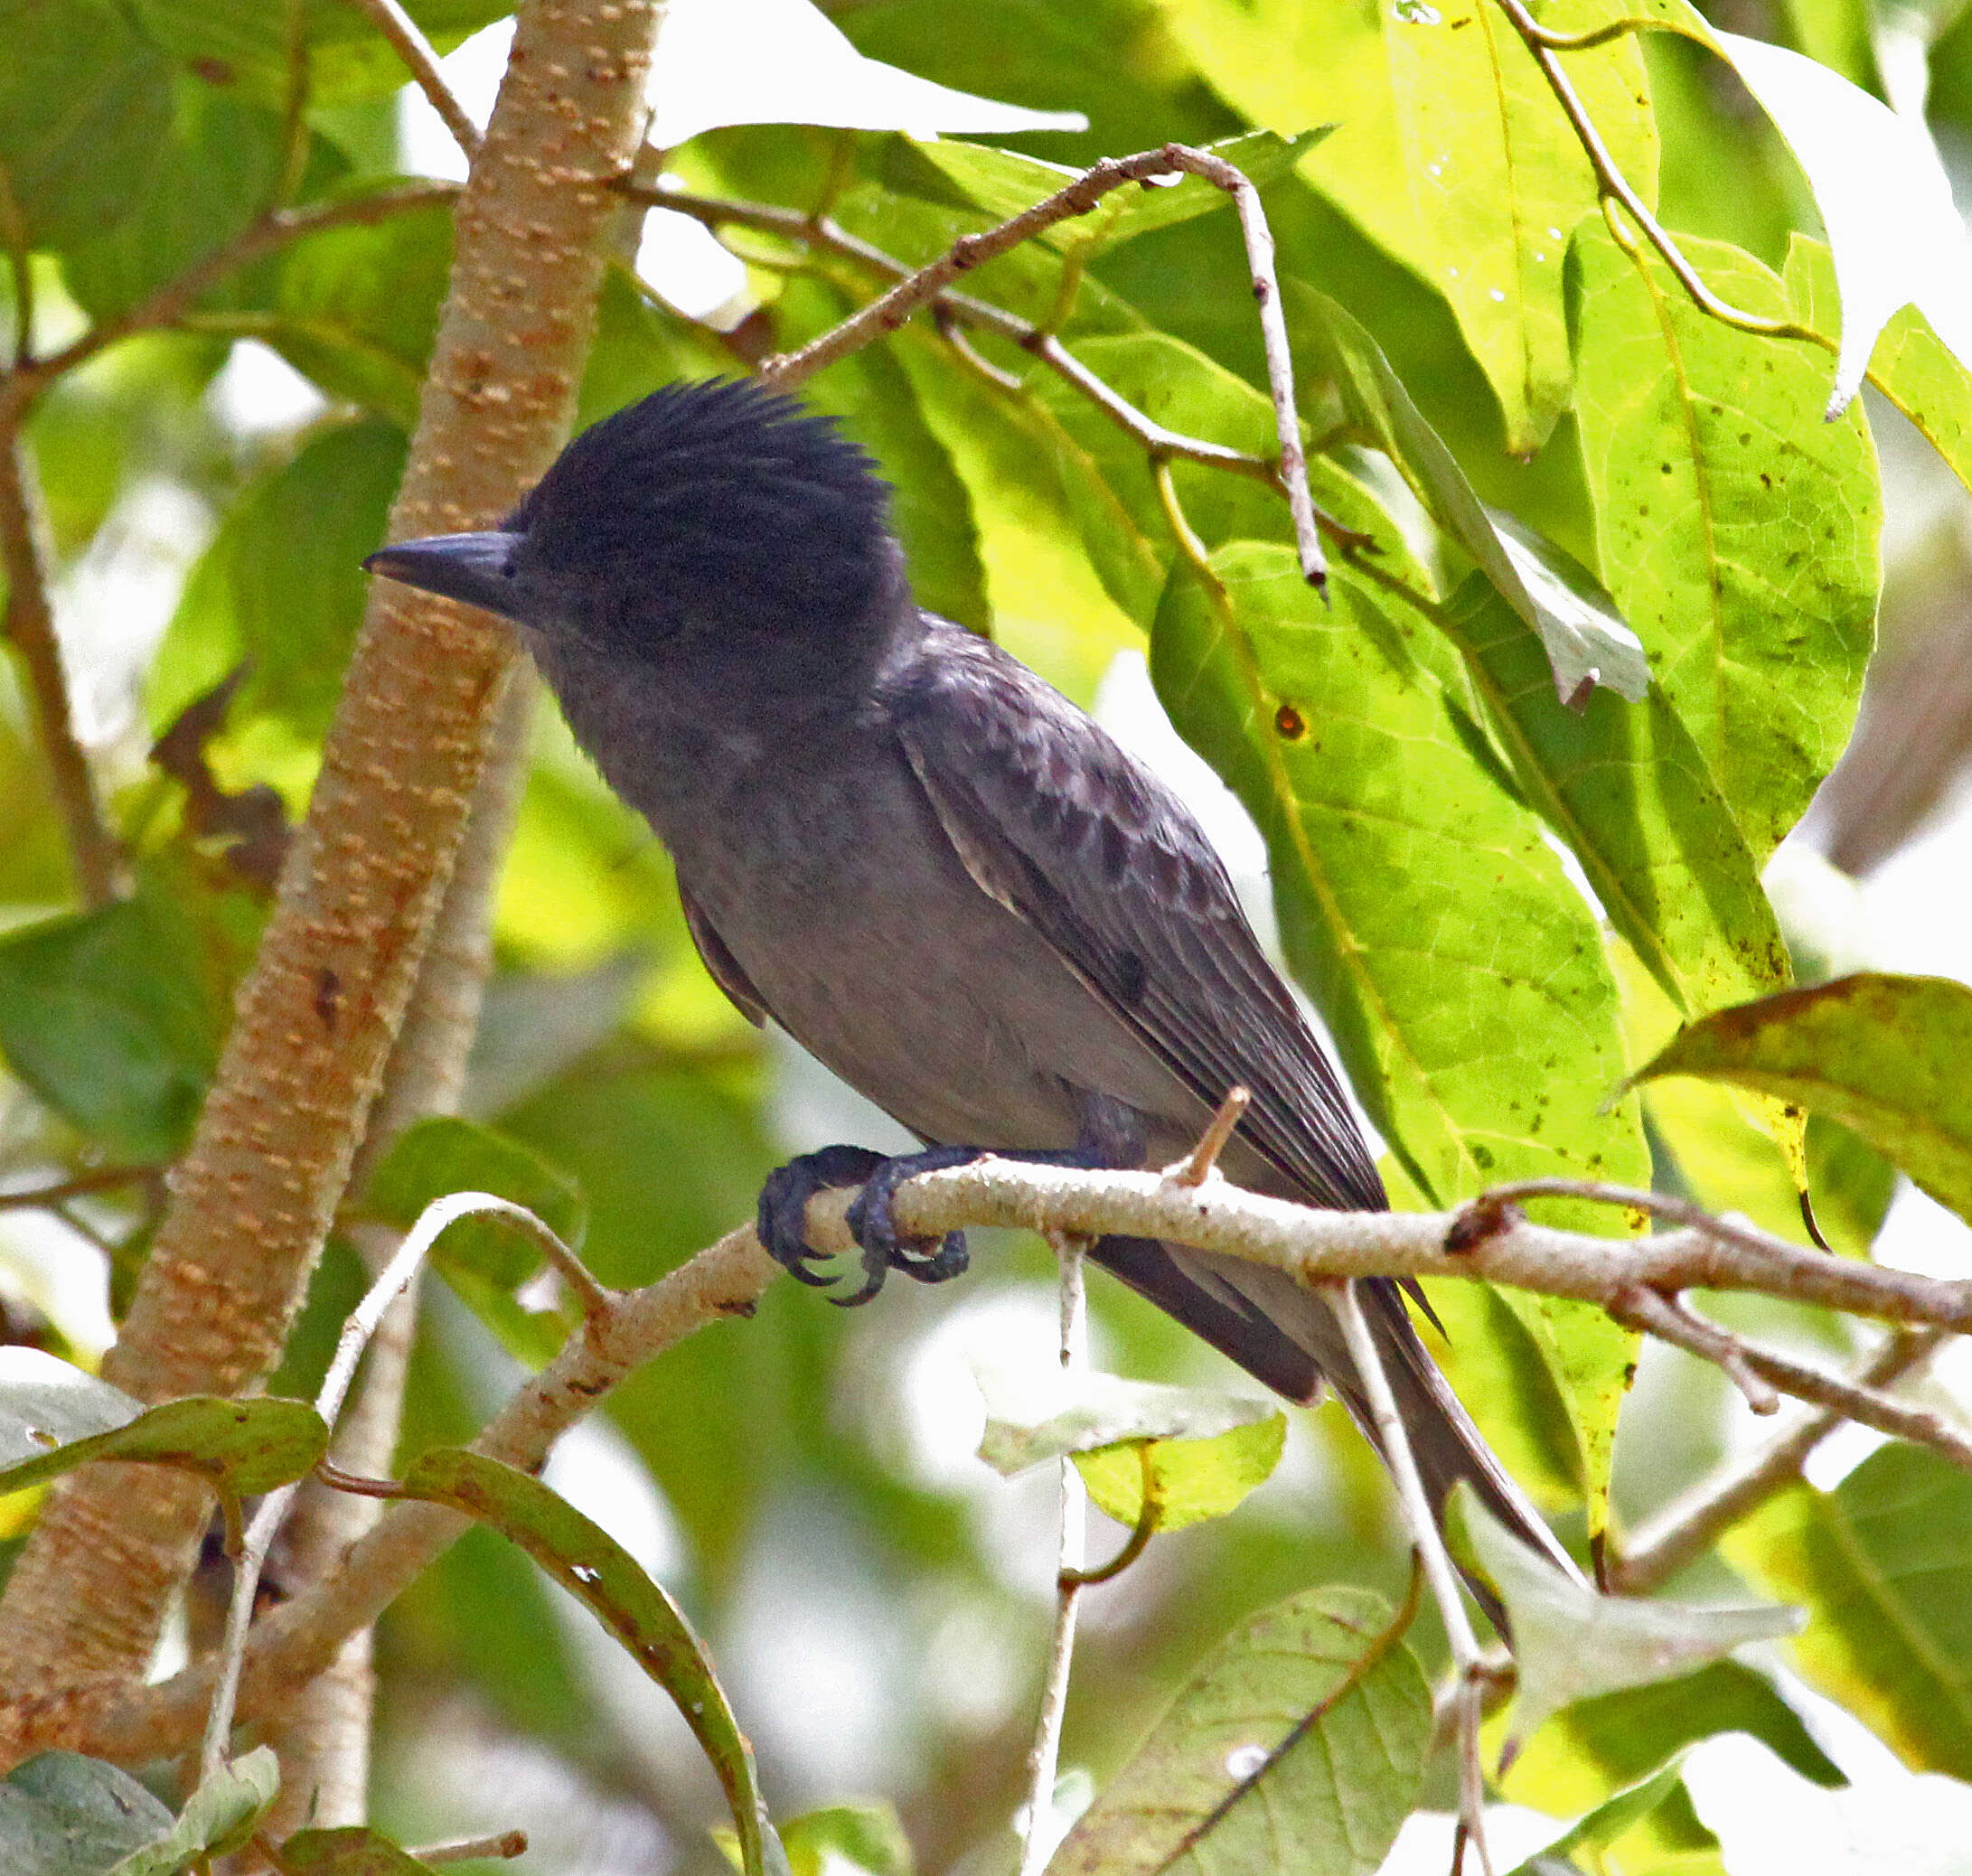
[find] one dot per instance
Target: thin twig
(500, 1846)
(1142, 1533)
(30, 622)
(266, 235)
(1043, 1758)
(356, 1333)
(1631, 1199)
(1198, 1165)
(1667, 1319)
(408, 43)
(1466, 1662)
(103, 1178)
(20, 265)
(1684, 1533)
(1616, 187)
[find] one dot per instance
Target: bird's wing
(720, 964)
(1067, 830)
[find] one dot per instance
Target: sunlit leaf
(1500, 181)
(1299, 1745)
(593, 1567)
(1626, 788)
(1884, 1055)
(61, 1814)
(1191, 1479)
(1587, 643)
(839, 1840)
(1884, 197)
(1609, 1820)
(218, 1817)
(351, 1851)
(1881, 1564)
(1736, 529)
(1038, 1413)
(1570, 1641)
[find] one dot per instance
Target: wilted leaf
(1299, 1746)
(218, 1817)
(594, 1568)
(1883, 1566)
(1038, 1413)
(1570, 1641)
(1884, 1055)
(61, 1814)
(1190, 1480)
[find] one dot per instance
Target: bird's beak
(473, 567)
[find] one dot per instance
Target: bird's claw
(782, 1221)
(885, 1248)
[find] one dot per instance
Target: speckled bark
(254, 1197)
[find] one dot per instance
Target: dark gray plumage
(931, 869)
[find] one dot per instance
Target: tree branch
(116, 1717)
(1688, 1529)
(409, 44)
(255, 1195)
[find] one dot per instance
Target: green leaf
(1884, 1055)
(1883, 194)
(61, 1814)
(1736, 529)
(1191, 1480)
(218, 1818)
(115, 1017)
(1626, 788)
(839, 1840)
(352, 1850)
(1002, 183)
(1590, 1752)
(484, 1259)
(1462, 976)
(1034, 1414)
(1570, 1641)
(595, 1568)
(1300, 1745)
(84, 105)
(243, 1447)
(282, 585)
(1609, 1820)
(1500, 181)
(1883, 1566)
(1912, 365)
(1585, 640)
(203, 180)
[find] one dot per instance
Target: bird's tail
(1288, 1336)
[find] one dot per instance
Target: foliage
(1604, 584)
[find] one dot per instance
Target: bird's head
(708, 512)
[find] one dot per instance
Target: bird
(933, 871)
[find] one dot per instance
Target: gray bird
(932, 870)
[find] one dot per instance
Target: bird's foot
(781, 1220)
(885, 1248)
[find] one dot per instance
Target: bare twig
(1429, 1545)
(1615, 186)
(1044, 1758)
(1684, 1533)
(1198, 1166)
(30, 622)
(409, 44)
(1667, 1319)
(102, 1178)
(503, 1846)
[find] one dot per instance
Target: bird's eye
(506, 570)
